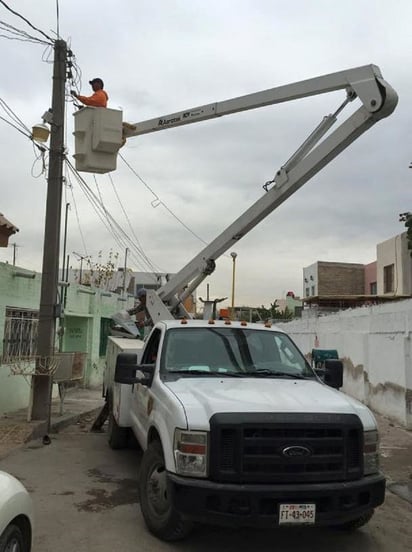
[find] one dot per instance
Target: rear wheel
(12, 540)
(160, 516)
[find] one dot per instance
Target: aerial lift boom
(378, 100)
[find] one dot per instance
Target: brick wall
(340, 279)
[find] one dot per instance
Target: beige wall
(395, 251)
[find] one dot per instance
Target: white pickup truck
(237, 429)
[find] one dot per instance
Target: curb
(57, 425)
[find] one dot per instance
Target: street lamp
(81, 258)
(233, 255)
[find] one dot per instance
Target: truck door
(142, 400)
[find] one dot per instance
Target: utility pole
(125, 268)
(65, 242)
(42, 384)
(232, 310)
(15, 246)
(81, 258)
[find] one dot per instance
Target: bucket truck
(235, 426)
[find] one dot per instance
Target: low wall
(376, 348)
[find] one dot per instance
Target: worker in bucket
(98, 99)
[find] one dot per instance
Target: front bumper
(258, 505)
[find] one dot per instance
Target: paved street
(86, 499)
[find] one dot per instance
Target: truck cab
(238, 429)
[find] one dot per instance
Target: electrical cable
(26, 20)
(19, 34)
(13, 115)
(77, 214)
(18, 125)
(121, 237)
(158, 269)
(15, 127)
(157, 201)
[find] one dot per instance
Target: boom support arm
(363, 82)
(378, 101)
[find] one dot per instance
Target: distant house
(7, 229)
(335, 286)
(394, 266)
(333, 278)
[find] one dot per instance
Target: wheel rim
(157, 491)
(13, 546)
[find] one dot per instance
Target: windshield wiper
(263, 372)
(205, 373)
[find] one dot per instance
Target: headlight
(370, 452)
(190, 448)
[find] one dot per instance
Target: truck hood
(203, 397)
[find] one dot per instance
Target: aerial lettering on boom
(164, 122)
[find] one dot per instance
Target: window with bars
(20, 333)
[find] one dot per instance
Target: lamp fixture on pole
(232, 310)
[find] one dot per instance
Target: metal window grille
(20, 334)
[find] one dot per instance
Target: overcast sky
(159, 57)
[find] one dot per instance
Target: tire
(117, 436)
(160, 516)
(12, 540)
(356, 523)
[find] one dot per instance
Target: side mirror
(333, 373)
(126, 366)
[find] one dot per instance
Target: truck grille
(284, 448)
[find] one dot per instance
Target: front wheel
(12, 540)
(160, 516)
(356, 523)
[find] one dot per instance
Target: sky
(189, 183)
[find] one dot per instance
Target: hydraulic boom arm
(378, 100)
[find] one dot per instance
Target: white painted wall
(375, 344)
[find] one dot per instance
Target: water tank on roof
(98, 138)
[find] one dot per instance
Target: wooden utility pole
(42, 384)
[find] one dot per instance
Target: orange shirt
(98, 99)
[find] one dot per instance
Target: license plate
(297, 513)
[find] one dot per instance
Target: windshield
(232, 352)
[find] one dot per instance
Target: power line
(26, 20)
(113, 227)
(158, 269)
(77, 213)
(8, 110)
(15, 127)
(18, 34)
(157, 201)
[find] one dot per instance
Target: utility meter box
(98, 138)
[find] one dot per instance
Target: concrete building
(371, 286)
(7, 229)
(389, 276)
(83, 329)
(394, 267)
(333, 278)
